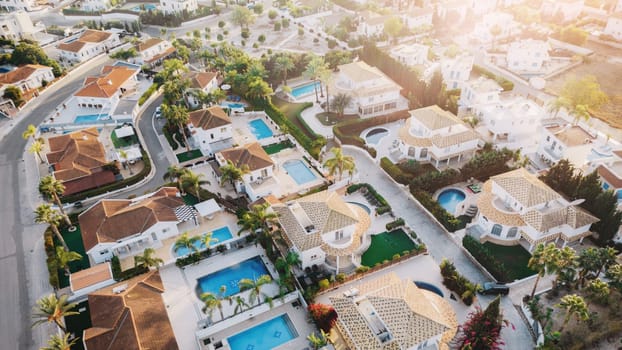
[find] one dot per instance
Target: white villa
(27, 78)
(569, 9)
(502, 20)
(390, 313)
(457, 70)
(90, 44)
(17, 5)
(510, 119)
(609, 171)
(614, 26)
(211, 130)
(95, 5)
(481, 91)
(323, 228)
(205, 82)
(178, 6)
(18, 26)
(371, 24)
(372, 91)
(152, 51)
(437, 136)
(527, 56)
(101, 94)
(259, 181)
(410, 55)
(126, 227)
(418, 17)
(517, 205)
(565, 140)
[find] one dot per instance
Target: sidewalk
(309, 116)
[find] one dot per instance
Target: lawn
(515, 259)
(74, 242)
(333, 118)
(385, 245)
(124, 141)
(78, 323)
(278, 147)
(292, 112)
(186, 156)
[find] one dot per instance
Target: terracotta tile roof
(76, 154)
(612, 178)
(163, 54)
(134, 319)
(251, 155)
(360, 71)
(209, 118)
(20, 73)
(151, 42)
(434, 120)
(572, 216)
(89, 181)
(74, 46)
(91, 276)
(525, 188)
(110, 220)
(488, 209)
(199, 80)
(89, 36)
(108, 83)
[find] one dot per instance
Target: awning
(124, 131)
(132, 153)
(208, 207)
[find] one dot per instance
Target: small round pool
(450, 198)
(427, 286)
(374, 136)
(362, 206)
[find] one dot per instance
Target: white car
(158, 112)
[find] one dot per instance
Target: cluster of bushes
(486, 258)
(74, 11)
(382, 206)
(118, 275)
(432, 181)
(455, 282)
(175, 20)
(504, 83)
(145, 96)
(395, 172)
(395, 224)
(51, 261)
(450, 222)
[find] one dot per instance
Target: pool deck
(242, 133)
(471, 198)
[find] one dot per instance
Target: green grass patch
(124, 141)
(76, 324)
(515, 259)
(292, 112)
(278, 147)
(385, 245)
(169, 137)
(74, 242)
(330, 119)
(186, 156)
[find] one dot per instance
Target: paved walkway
(309, 116)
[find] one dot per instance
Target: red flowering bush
(324, 316)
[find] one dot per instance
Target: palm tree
(35, 148)
(254, 285)
(212, 302)
(217, 96)
(317, 341)
(285, 264)
(177, 115)
(543, 261)
(258, 218)
(147, 259)
(340, 102)
(558, 104)
(30, 132)
(340, 163)
(124, 156)
(175, 173)
(284, 64)
(258, 89)
(573, 305)
(44, 214)
(51, 309)
(240, 304)
(207, 240)
(64, 257)
(185, 241)
(56, 342)
(53, 189)
(193, 180)
(566, 265)
(230, 172)
(314, 69)
(326, 77)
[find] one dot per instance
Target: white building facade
(210, 128)
(178, 6)
(614, 26)
(527, 56)
(18, 26)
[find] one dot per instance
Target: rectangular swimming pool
(266, 335)
(299, 171)
(91, 118)
(305, 89)
(219, 235)
(231, 276)
(260, 129)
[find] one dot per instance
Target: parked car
(158, 112)
(78, 204)
(492, 288)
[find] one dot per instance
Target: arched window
(512, 232)
(496, 230)
(424, 153)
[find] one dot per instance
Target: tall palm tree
(192, 179)
(124, 156)
(147, 259)
(573, 305)
(340, 163)
(30, 132)
(64, 257)
(326, 77)
(286, 264)
(340, 102)
(57, 342)
(254, 285)
(207, 239)
(44, 214)
(258, 89)
(284, 64)
(177, 115)
(259, 219)
(53, 189)
(212, 302)
(35, 148)
(543, 260)
(51, 309)
(175, 173)
(185, 241)
(240, 304)
(314, 69)
(230, 172)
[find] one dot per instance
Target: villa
(517, 206)
(614, 26)
(130, 315)
(565, 140)
(259, 181)
(126, 227)
(418, 17)
(200, 82)
(567, 10)
(609, 171)
(527, 56)
(79, 161)
(410, 55)
(27, 78)
(211, 130)
(372, 91)
(502, 20)
(18, 26)
(510, 119)
(479, 92)
(437, 136)
(323, 228)
(90, 44)
(390, 313)
(17, 5)
(457, 70)
(178, 6)
(153, 51)
(371, 24)
(95, 5)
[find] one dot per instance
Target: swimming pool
(91, 118)
(266, 335)
(148, 7)
(450, 198)
(362, 206)
(305, 89)
(374, 135)
(260, 129)
(231, 276)
(233, 105)
(299, 171)
(220, 235)
(432, 288)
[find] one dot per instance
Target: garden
(384, 246)
(505, 263)
(190, 155)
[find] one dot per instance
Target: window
(496, 230)
(103, 252)
(512, 232)
(264, 172)
(154, 236)
(314, 256)
(423, 153)
(548, 138)
(338, 235)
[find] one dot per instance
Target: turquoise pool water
(148, 7)
(264, 336)
(91, 118)
(432, 288)
(449, 199)
(231, 276)
(374, 135)
(299, 171)
(233, 105)
(260, 129)
(221, 235)
(362, 206)
(305, 89)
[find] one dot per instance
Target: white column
(337, 271)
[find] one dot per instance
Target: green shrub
(147, 94)
(277, 26)
(395, 256)
(340, 277)
(115, 266)
(405, 252)
(394, 171)
(505, 84)
(383, 209)
(455, 282)
(362, 269)
(485, 257)
(445, 218)
(323, 284)
(372, 151)
(395, 224)
(384, 262)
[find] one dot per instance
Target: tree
(53, 189)
(589, 188)
(172, 69)
(578, 96)
(340, 102)
(147, 260)
(254, 285)
(334, 58)
(44, 214)
(573, 305)
(35, 148)
(599, 291)
(482, 330)
(543, 260)
(212, 302)
(175, 173)
(261, 38)
(230, 172)
(258, 9)
(326, 77)
(614, 275)
(393, 27)
(566, 265)
(285, 264)
(318, 341)
(30, 132)
(284, 64)
(186, 242)
(30, 53)
(340, 163)
(272, 14)
(240, 304)
(207, 239)
(64, 257)
(177, 115)
(57, 342)
(323, 315)
(51, 309)
(573, 35)
(14, 94)
(193, 180)
(242, 16)
(561, 177)
(259, 89)
(314, 69)
(124, 156)
(259, 219)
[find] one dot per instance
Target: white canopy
(208, 207)
(124, 131)
(133, 153)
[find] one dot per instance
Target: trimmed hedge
(394, 224)
(505, 84)
(51, 261)
(383, 202)
(455, 282)
(145, 96)
(118, 275)
(448, 221)
(484, 256)
(394, 171)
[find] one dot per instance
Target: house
(95, 5)
(372, 91)
(130, 315)
(501, 21)
(323, 228)
(510, 119)
(90, 44)
(456, 70)
(517, 205)
(480, 91)
(392, 313)
(371, 24)
(565, 140)
(153, 51)
(258, 181)
(410, 55)
(418, 17)
(527, 56)
(211, 130)
(27, 78)
(126, 227)
(178, 6)
(456, 10)
(562, 10)
(200, 82)
(609, 169)
(78, 160)
(89, 280)
(18, 5)
(18, 26)
(614, 26)
(481, 7)
(436, 136)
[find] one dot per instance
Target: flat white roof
(207, 207)
(124, 131)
